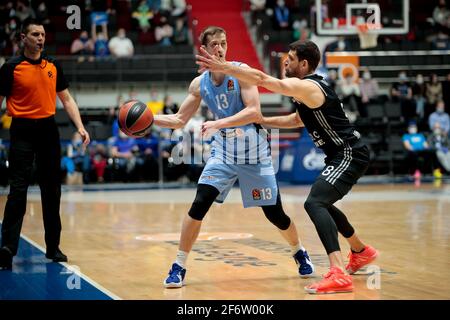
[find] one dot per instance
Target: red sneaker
(334, 281)
(359, 260)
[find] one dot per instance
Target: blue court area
(34, 277)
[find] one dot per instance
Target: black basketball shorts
(343, 169)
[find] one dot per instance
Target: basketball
(134, 118)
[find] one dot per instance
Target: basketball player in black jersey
(321, 112)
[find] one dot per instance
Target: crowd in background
(424, 104)
(161, 22)
(299, 17)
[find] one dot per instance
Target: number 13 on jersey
(222, 101)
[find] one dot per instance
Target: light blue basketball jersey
(238, 145)
(224, 100)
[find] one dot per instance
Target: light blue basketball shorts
(257, 181)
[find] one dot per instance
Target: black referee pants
(33, 140)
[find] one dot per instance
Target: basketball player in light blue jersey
(236, 107)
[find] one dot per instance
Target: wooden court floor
(127, 240)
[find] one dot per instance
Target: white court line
(77, 272)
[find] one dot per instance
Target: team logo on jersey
(230, 85)
(256, 194)
(50, 74)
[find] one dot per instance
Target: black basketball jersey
(328, 125)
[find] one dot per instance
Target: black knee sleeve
(276, 215)
(310, 206)
(342, 223)
(321, 197)
(315, 209)
(204, 198)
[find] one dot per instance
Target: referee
(30, 83)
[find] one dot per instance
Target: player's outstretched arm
(286, 122)
(303, 90)
(250, 114)
(186, 111)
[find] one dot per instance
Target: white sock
(181, 258)
(294, 249)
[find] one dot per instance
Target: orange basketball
(134, 118)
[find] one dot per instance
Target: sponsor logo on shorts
(209, 177)
(232, 133)
(256, 194)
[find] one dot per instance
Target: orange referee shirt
(30, 86)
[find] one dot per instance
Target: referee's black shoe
(56, 256)
(6, 258)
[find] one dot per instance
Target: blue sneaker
(305, 266)
(176, 277)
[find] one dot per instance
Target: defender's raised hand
(211, 62)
